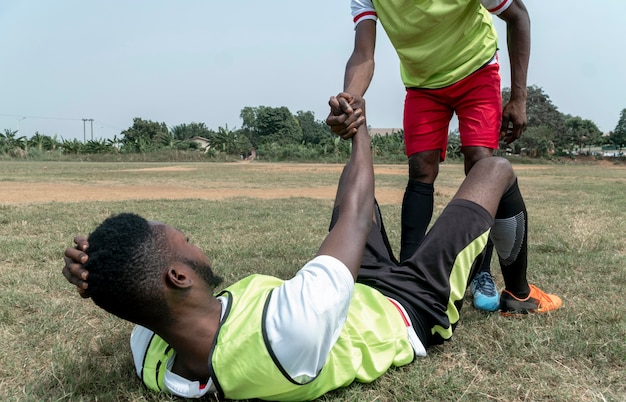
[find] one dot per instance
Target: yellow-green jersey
(290, 340)
(438, 42)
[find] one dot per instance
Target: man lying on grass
(267, 338)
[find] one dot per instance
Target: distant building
(201, 142)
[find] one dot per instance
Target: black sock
(417, 210)
(486, 265)
(510, 237)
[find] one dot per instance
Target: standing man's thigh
(479, 108)
(426, 121)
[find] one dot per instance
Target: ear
(177, 277)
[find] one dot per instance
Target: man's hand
(346, 114)
(513, 121)
(73, 270)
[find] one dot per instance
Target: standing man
(448, 64)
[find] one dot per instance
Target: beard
(206, 273)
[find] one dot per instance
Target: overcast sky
(203, 61)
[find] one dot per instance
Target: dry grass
(56, 346)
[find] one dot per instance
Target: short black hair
(127, 260)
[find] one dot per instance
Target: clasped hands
(347, 114)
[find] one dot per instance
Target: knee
(424, 166)
(474, 154)
(496, 162)
(497, 165)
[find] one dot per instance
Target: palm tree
(167, 139)
(39, 141)
(114, 143)
(9, 142)
(72, 146)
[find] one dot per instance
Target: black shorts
(431, 284)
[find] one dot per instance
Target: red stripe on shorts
(395, 304)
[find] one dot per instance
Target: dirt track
(27, 193)
(40, 192)
(15, 192)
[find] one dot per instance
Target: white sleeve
(496, 7)
(139, 341)
(362, 10)
(306, 314)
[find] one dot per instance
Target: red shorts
(477, 101)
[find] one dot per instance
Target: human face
(189, 254)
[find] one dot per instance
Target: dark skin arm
(518, 43)
(355, 195)
(357, 78)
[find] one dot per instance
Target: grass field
(252, 217)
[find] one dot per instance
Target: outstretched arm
(355, 197)
(518, 43)
(307, 312)
(357, 78)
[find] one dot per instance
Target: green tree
(42, 142)
(582, 132)
(537, 141)
(114, 143)
(138, 145)
(4, 139)
(541, 112)
(97, 147)
(313, 131)
(388, 146)
(231, 142)
(618, 135)
(10, 142)
(185, 131)
(454, 145)
(248, 128)
(144, 135)
(72, 146)
(167, 139)
(54, 142)
(265, 124)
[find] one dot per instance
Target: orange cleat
(536, 302)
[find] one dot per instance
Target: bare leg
(492, 184)
(473, 155)
(486, 182)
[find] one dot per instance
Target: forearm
(359, 73)
(360, 66)
(355, 203)
(518, 44)
(358, 180)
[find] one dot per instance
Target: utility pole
(91, 123)
(85, 130)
